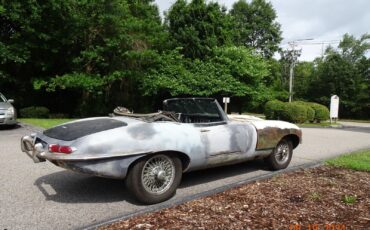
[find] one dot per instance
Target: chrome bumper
(32, 150)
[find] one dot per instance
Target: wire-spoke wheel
(281, 156)
(158, 174)
(155, 179)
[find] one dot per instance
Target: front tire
(155, 178)
(281, 156)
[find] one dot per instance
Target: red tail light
(54, 148)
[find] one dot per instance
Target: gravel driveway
(43, 196)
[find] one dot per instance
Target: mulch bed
(307, 199)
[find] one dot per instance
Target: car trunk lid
(74, 130)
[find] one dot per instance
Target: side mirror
(11, 101)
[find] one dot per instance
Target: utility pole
(294, 54)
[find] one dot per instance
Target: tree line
(83, 58)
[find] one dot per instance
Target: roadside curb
(172, 203)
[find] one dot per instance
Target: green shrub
(274, 109)
(310, 114)
(34, 112)
(295, 112)
(310, 110)
(321, 112)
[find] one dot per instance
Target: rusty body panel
(111, 152)
(269, 133)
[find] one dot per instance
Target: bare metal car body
(109, 146)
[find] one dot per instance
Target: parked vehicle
(151, 151)
(8, 115)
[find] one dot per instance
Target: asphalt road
(43, 196)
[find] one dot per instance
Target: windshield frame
(220, 112)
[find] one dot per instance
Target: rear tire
(155, 178)
(281, 156)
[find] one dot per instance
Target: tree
(95, 51)
(255, 26)
(198, 27)
(345, 72)
(231, 71)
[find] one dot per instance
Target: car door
(224, 142)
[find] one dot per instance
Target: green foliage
(310, 110)
(233, 71)
(349, 199)
(274, 109)
(294, 112)
(86, 57)
(297, 112)
(321, 112)
(344, 72)
(255, 26)
(34, 112)
(198, 27)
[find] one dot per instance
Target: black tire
(281, 156)
(161, 171)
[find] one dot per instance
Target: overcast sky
(322, 20)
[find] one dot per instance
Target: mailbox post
(226, 100)
(334, 108)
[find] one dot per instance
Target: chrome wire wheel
(158, 174)
(282, 152)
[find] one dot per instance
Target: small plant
(349, 199)
(315, 196)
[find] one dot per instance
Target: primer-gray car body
(110, 153)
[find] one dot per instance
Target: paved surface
(43, 196)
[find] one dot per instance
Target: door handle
(204, 130)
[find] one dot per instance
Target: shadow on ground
(70, 187)
(9, 127)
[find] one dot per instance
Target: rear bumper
(102, 165)
(31, 149)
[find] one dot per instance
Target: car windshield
(195, 110)
(2, 98)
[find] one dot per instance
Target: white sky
(322, 20)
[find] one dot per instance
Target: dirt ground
(325, 198)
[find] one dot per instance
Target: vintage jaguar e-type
(151, 151)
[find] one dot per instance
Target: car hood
(5, 105)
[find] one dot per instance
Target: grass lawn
(44, 123)
(358, 161)
(322, 124)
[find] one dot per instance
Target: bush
(310, 110)
(274, 109)
(34, 112)
(310, 114)
(295, 112)
(321, 112)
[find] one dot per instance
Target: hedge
(34, 112)
(321, 112)
(274, 109)
(294, 112)
(297, 112)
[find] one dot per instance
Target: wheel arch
(293, 138)
(185, 159)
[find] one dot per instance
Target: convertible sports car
(151, 151)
